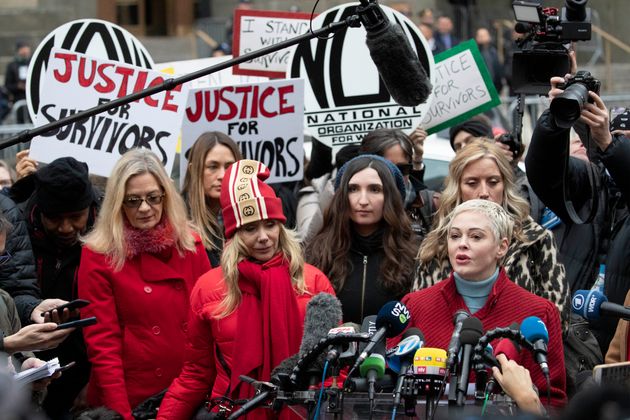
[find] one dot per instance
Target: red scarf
(269, 322)
(157, 240)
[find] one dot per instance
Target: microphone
(340, 351)
(454, 345)
(396, 62)
(399, 362)
(391, 320)
(591, 304)
(429, 361)
(323, 312)
(472, 330)
(249, 405)
(373, 368)
(535, 331)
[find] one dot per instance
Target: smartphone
(72, 305)
(65, 367)
(619, 118)
(612, 373)
(79, 323)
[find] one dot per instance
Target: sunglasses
(135, 202)
(405, 168)
(4, 258)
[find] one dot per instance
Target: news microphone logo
(401, 312)
(578, 302)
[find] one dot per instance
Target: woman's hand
(40, 385)
(516, 382)
(36, 337)
(24, 165)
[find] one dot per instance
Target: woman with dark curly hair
(366, 246)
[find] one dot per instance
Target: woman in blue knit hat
(366, 246)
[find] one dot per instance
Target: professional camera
(541, 51)
(513, 142)
(567, 106)
(620, 119)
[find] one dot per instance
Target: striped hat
(245, 198)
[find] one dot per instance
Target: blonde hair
(517, 207)
(235, 251)
(107, 237)
(193, 189)
(501, 222)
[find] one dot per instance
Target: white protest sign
(75, 82)
(223, 77)
(344, 95)
(265, 119)
(463, 88)
(256, 29)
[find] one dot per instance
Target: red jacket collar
(454, 301)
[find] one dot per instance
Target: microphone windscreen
(587, 303)
(534, 329)
(398, 65)
(460, 316)
(375, 362)
(323, 312)
(472, 330)
(394, 317)
(429, 361)
(412, 340)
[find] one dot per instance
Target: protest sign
(344, 96)
(256, 29)
(224, 77)
(266, 120)
(463, 88)
(94, 37)
(75, 82)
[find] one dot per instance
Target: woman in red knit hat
(249, 312)
(477, 235)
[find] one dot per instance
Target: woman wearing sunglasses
(138, 266)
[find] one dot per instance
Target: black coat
(583, 247)
(17, 276)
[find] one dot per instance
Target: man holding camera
(604, 241)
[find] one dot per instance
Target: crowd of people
(193, 289)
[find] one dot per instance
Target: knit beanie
(245, 198)
(63, 186)
(476, 128)
(396, 174)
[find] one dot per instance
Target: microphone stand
(168, 84)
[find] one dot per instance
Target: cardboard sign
(94, 37)
(256, 29)
(463, 87)
(76, 82)
(223, 77)
(345, 97)
(265, 119)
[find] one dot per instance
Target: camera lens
(576, 10)
(566, 107)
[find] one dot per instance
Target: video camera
(541, 51)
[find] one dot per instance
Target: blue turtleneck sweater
(475, 293)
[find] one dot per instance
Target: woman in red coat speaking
(249, 312)
(138, 267)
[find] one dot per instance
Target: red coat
(432, 311)
(202, 371)
(137, 346)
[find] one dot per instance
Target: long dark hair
(329, 249)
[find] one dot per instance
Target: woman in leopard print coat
(480, 170)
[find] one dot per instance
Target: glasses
(405, 168)
(4, 258)
(135, 202)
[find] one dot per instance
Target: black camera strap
(594, 183)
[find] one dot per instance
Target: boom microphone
(591, 304)
(535, 331)
(396, 62)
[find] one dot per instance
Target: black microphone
(396, 62)
(339, 351)
(249, 405)
(411, 341)
(392, 319)
(472, 330)
(323, 312)
(453, 346)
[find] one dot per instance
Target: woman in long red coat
(138, 267)
(247, 314)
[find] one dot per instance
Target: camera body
(567, 107)
(541, 53)
(620, 121)
(585, 78)
(512, 141)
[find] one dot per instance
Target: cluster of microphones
(336, 361)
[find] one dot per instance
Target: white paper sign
(265, 119)
(75, 82)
